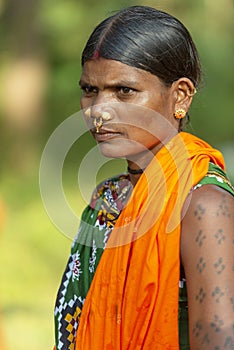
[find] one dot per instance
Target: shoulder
(208, 202)
(208, 199)
(207, 243)
(208, 213)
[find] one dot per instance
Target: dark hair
(149, 39)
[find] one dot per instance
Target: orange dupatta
(133, 299)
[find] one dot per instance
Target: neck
(139, 162)
(135, 171)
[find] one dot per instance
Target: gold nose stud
(87, 113)
(106, 116)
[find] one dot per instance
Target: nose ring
(98, 122)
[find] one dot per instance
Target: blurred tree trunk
(24, 78)
(20, 25)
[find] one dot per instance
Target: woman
(166, 224)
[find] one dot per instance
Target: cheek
(149, 129)
(142, 136)
(85, 103)
(82, 102)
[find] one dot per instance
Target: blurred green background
(41, 44)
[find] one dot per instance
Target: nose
(97, 115)
(101, 104)
(99, 110)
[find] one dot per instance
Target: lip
(105, 135)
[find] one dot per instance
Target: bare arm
(207, 252)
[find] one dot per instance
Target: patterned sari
(98, 221)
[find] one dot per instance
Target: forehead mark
(96, 54)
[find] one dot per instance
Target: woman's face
(140, 108)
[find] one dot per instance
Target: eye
(125, 90)
(89, 90)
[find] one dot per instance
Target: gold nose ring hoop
(98, 122)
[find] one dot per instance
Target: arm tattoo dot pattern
(217, 324)
(209, 340)
(201, 265)
(206, 339)
(229, 343)
(223, 209)
(232, 303)
(217, 294)
(201, 296)
(219, 266)
(199, 212)
(197, 329)
(200, 238)
(220, 237)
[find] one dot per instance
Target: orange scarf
(133, 299)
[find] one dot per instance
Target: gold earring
(98, 122)
(106, 116)
(190, 94)
(180, 113)
(87, 113)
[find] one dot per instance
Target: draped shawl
(132, 302)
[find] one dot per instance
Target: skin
(105, 83)
(207, 239)
(207, 242)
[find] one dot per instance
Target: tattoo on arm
(199, 212)
(217, 294)
(229, 343)
(201, 296)
(232, 304)
(211, 336)
(219, 266)
(197, 329)
(206, 339)
(223, 209)
(220, 236)
(200, 238)
(217, 324)
(201, 265)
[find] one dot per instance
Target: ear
(184, 90)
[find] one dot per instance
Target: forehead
(101, 69)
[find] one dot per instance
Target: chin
(111, 152)
(120, 149)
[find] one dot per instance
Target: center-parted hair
(149, 39)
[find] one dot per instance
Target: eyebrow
(114, 84)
